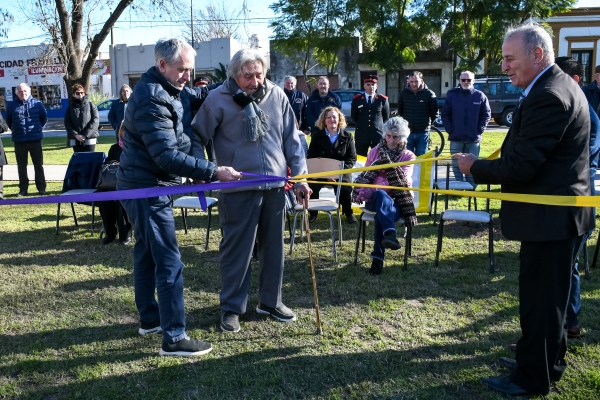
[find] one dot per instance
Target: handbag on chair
(107, 179)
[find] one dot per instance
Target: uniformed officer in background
(369, 112)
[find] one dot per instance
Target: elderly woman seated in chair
(389, 205)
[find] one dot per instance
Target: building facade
(128, 63)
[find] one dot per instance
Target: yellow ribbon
(550, 200)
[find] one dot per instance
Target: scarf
(395, 177)
(256, 122)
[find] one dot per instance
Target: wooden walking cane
(312, 271)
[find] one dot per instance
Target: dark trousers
(1, 183)
(544, 284)
(157, 265)
(362, 149)
(114, 219)
(78, 148)
(37, 158)
(249, 217)
(345, 197)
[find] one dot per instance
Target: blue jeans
(463, 147)
(385, 219)
(157, 265)
(418, 142)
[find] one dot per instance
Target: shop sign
(11, 63)
(46, 69)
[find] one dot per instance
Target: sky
(128, 31)
(133, 30)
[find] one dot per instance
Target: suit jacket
(369, 118)
(545, 152)
(342, 149)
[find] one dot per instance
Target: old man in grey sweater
(253, 129)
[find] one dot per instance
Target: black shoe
(149, 328)
(313, 218)
(508, 363)
(351, 219)
(230, 321)
(390, 241)
(504, 385)
(22, 194)
(185, 348)
(43, 193)
(376, 266)
(108, 239)
(281, 313)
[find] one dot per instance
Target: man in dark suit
(545, 153)
(369, 112)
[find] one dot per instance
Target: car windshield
(346, 96)
(105, 105)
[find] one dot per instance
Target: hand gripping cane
(312, 269)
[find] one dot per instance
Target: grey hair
(467, 72)
(532, 36)
(170, 50)
(323, 77)
(290, 78)
(397, 126)
(241, 58)
(24, 84)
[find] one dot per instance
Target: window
(510, 89)
(105, 105)
(489, 88)
(585, 58)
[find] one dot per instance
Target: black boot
(376, 266)
(390, 241)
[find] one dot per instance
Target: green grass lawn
(68, 324)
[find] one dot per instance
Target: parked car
(501, 94)
(103, 109)
(346, 95)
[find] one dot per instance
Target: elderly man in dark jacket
(26, 117)
(117, 110)
(155, 153)
(465, 114)
(417, 105)
(297, 100)
(319, 99)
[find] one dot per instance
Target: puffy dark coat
(419, 109)
(81, 118)
(592, 93)
(155, 148)
(465, 114)
(298, 102)
(26, 119)
(117, 113)
(316, 104)
(342, 149)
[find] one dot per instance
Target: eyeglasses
(465, 80)
(79, 93)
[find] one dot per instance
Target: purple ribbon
(146, 192)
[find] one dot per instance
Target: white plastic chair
(315, 165)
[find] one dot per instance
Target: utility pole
(192, 29)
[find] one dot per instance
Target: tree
(69, 25)
(475, 29)
(311, 30)
(5, 20)
(216, 21)
(220, 74)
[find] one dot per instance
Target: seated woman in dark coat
(389, 205)
(332, 141)
(114, 217)
(81, 121)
